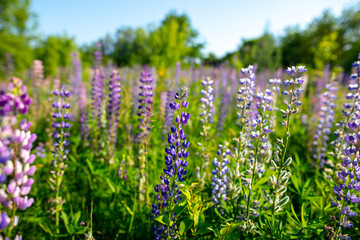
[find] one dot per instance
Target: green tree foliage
(327, 39)
(262, 50)
(55, 51)
(14, 33)
(130, 46)
(161, 46)
(174, 40)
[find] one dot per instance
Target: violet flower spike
(168, 191)
(16, 160)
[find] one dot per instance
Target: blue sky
(221, 23)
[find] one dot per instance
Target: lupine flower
(347, 191)
(145, 113)
(122, 171)
(84, 118)
(220, 181)
(207, 99)
(97, 95)
(37, 73)
(16, 141)
(244, 102)
(224, 104)
(40, 150)
(207, 117)
(169, 113)
(113, 112)
(61, 135)
(168, 191)
(76, 80)
(348, 110)
(275, 83)
(163, 103)
(4, 220)
(245, 95)
(325, 123)
(257, 144)
(279, 164)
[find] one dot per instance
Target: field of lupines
(208, 153)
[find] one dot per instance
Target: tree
(15, 33)
(173, 40)
(262, 50)
(55, 51)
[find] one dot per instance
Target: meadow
(198, 152)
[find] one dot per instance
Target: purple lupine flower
(98, 56)
(169, 113)
(275, 83)
(76, 80)
(113, 112)
(257, 144)
(349, 110)
(61, 142)
(220, 181)
(4, 220)
(347, 191)
(168, 191)
(143, 137)
(84, 118)
(37, 73)
(279, 164)
(207, 100)
(325, 123)
(145, 105)
(122, 170)
(224, 103)
(245, 95)
(97, 94)
(16, 160)
(207, 118)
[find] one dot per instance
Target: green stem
(12, 218)
(253, 175)
(286, 142)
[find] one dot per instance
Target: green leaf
(225, 205)
(187, 194)
(77, 217)
(201, 218)
(90, 166)
(110, 185)
(164, 219)
(303, 214)
(66, 221)
(180, 208)
(182, 228)
(217, 213)
(196, 218)
(46, 229)
(293, 211)
(185, 225)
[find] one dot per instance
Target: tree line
(327, 39)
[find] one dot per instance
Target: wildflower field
(141, 135)
(212, 153)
